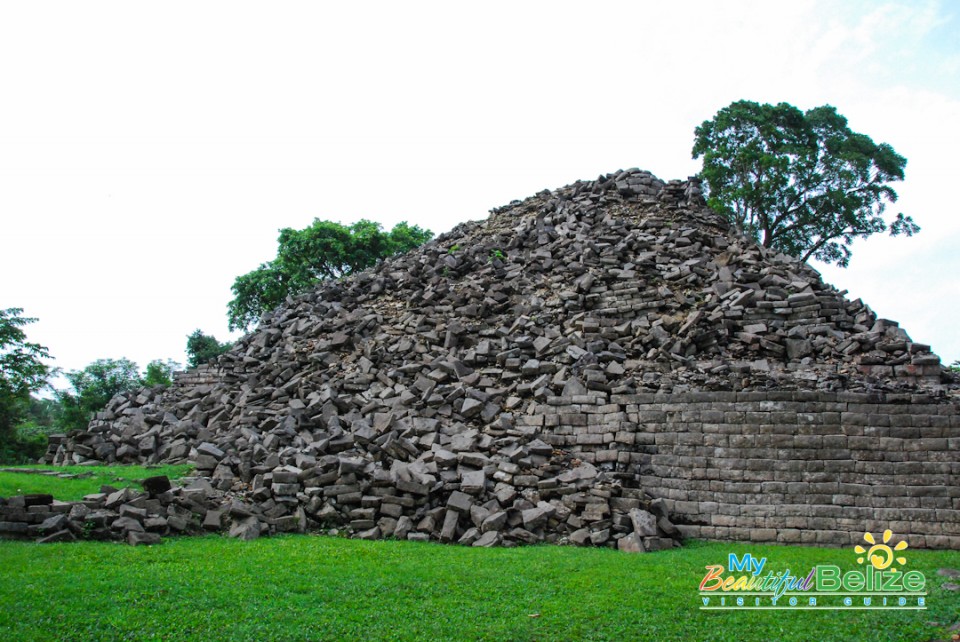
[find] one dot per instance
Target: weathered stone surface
(156, 485)
(286, 477)
(534, 518)
(135, 538)
(59, 536)
(600, 537)
(473, 482)
(247, 528)
(13, 528)
(210, 450)
(126, 525)
(494, 522)
(644, 523)
(449, 530)
(460, 502)
(580, 537)
(488, 539)
(631, 543)
(658, 543)
(55, 523)
(213, 521)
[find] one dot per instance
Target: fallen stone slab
(631, 543)
(135, 538)
(63, 535)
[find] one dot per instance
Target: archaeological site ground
(607, 365)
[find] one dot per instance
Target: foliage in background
(92, 388)
(201, 348)
(324, 250)
(35, 418)
(159, 373)
(21, 372)
(801, 183)
(30, 435)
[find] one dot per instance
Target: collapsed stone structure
(607, 363)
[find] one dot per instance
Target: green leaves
(24, 420)
(201, 348)
(324, 250)
(159, 373)
(93, 387)
(800, 183)
(21, 372)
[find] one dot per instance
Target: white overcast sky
(149, 152)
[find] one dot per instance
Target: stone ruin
(605, 364)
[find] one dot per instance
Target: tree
(201, 348)
(800, 183)
(21, 372)
(93, 387)
(41, 412)
(159, 373)
(324, 250)
(31, 435)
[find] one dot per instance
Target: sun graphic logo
(881, 555)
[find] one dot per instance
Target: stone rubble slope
(409, 400)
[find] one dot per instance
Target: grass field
(74, 489)
(323, 588)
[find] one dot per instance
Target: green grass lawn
(74, 489)
(323, 588)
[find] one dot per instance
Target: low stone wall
(205, 375)
(790, 467)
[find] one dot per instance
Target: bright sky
(149, 152)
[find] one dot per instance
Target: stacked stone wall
(204, 375)
(792, 467)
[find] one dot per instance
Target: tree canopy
(801, 183)
(21, 368)
(159, 373)
(25, 420)
(201, 348)
(21, 372)
(93, 387)
(324, 250)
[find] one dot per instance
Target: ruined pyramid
(553, 373)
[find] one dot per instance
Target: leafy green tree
(324, 250)
(159, 373)
(93, 387)
(42, 413)
(800, 183)
(21, 372)
(32, 433)
(201, 348)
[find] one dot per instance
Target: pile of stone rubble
(577, 506)
(397, 402)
